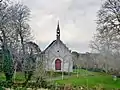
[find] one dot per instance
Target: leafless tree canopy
(107, 39)
(14, 28)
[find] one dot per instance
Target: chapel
(57, 55)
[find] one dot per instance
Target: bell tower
(58, 32)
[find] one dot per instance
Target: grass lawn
(19, 77)
(85, 78)
(91, 79)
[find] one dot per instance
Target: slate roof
(49, 46)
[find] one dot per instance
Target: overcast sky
(76, 17)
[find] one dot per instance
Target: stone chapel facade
(57, 55)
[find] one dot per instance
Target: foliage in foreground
(86, 80)
(61, 87)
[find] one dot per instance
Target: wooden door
(57, 64)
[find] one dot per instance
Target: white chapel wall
(58, 50)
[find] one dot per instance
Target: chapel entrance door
(57, 64)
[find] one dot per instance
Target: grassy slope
(91, 79)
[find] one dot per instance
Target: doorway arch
(58, 64)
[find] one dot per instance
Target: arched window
(57, 64)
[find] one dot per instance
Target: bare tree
(109, 23)
(4, 28)
(107, 40)
(22, 33)
(32, 52)
(14, 32)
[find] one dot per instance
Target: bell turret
(58, 32)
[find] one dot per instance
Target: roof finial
(58, 31)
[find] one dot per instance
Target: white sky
(77, 21)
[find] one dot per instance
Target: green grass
(86, 78)
(91, 79)
(2, 76)
(19, 77)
